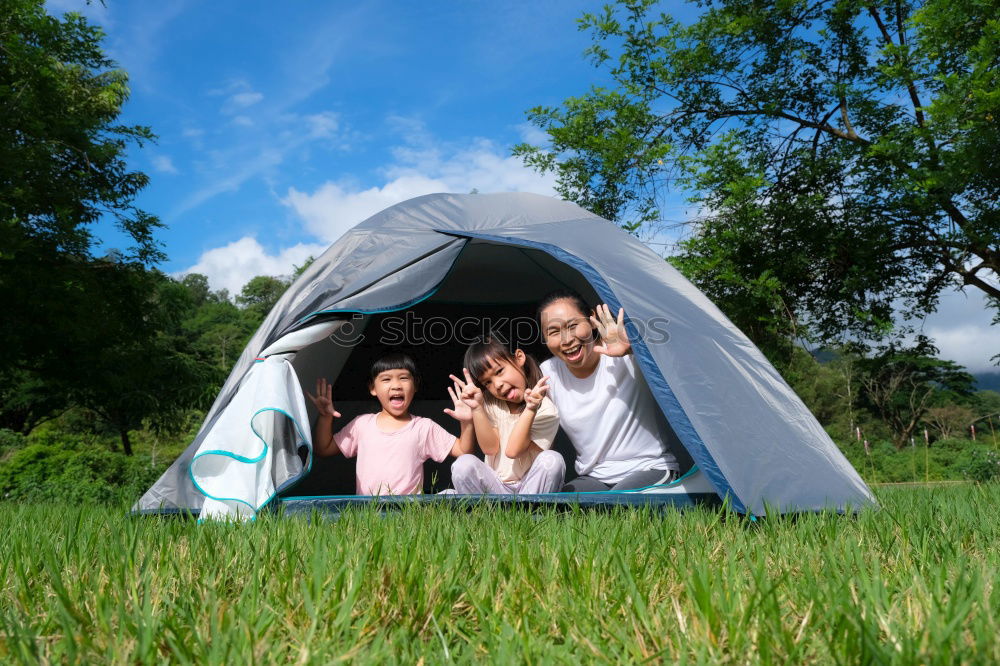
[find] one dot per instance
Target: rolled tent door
(253, 450)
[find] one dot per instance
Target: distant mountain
(987, 381)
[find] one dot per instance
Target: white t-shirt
(612, 419)
(543, 433)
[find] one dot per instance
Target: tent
(425, 272)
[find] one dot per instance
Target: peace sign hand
(468, 392)
(324, 398)
(612, 332)
(533, 396)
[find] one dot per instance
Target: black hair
(563, 295)
(394, 361)
(481, 355)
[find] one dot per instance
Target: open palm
(615, 340)
(461, 410)
(323, 400)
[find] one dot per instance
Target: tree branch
(910, 86)
(784, 115)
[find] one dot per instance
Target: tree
(950, 420)
(260, 294)
(842, 152)
(218, 329)
(62, 169)
(143, 368)
(901, 384)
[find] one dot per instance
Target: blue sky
(283, 124)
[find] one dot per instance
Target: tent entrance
(490, 288)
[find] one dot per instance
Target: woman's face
(569, 336)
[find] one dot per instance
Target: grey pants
(650, 477)
(471, 476)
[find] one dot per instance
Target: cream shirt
(543, 434)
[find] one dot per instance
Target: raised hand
(468, 392)
(533, 396)
(324, 398)
(615, 340)
(461, 412)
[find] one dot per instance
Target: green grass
(911, 583)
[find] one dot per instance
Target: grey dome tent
(444, 257)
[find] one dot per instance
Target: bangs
(481, 356)
(394, 361)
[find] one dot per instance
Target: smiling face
(569, 336)
(394, 389)
(505, 380)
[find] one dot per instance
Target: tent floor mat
(332, 506)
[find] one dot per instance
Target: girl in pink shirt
(391, 445)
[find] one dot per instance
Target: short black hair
(393, 361)
(563, 295)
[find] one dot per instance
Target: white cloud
(245, 99)
(961, 330)
(420, 167)
(164, 164)
(533, 134)
(232, 266)
(260, 153)
(322, 125)
(239, 95)
(333, 209)
(243, 121)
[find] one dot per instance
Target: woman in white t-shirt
(605, 406)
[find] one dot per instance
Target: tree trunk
(126, 443)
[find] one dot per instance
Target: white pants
(471, 476)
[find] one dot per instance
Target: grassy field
(911, 583)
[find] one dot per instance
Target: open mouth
(573, 354)
(512, 394)
(396, 401)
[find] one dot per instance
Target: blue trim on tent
(395, 308)
(654, 378)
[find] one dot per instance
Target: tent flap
(253, 448)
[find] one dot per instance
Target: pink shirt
(392, 463)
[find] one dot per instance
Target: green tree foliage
(843, 153)
(63, 169)
(218, 329)
(260, 294)
(141, 367)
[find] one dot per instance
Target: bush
(10, 440)
(60, 472)
(944, 460)
(981, 466)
